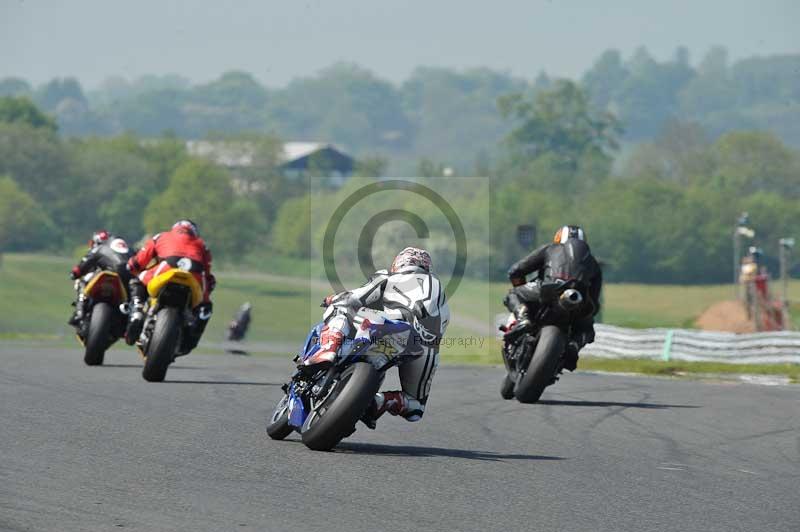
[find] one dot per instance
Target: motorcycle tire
(507, 388)
(161, 349)
(542, 366)
(336, 417)
(98, 338)
(278, 425)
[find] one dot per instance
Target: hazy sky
(278, 40)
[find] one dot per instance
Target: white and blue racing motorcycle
(324, 404)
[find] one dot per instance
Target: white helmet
(411, 257)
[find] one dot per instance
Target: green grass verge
(35, 294)
(489, 353)
(676, 368)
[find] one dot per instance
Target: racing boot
(397, 403)
(200, 319)
(330, 340)
(571, 356)
(80, 307)
(522, 325)
(136, 319)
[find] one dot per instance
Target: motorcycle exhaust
(570, 299)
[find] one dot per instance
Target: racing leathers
(571, 261)
(176, 248)
(410, 294)
(110, 255)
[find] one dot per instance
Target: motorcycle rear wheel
(99, 337)
(542, 366)
(161, 349)
(336, 417)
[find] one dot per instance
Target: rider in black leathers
(568, 258)
(108, 253)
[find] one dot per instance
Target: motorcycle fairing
(175, 276)
(106, 286)
(297, 412)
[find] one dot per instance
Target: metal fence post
(665, 354)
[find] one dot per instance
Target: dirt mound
(728, 316)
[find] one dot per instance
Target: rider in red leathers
(181, 247)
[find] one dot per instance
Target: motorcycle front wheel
(507, 388)
(278, 424)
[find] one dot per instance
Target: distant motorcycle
(237, 328)
(535, 358)
(169, 317)
(104, 318)
(324, 405)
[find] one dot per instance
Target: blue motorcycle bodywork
(352, 350)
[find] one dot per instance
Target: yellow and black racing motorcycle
(170, 317)
(104, 319)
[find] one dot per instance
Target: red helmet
(98, 237)
(186, 226)
(411, 257)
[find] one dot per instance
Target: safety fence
(692, 345)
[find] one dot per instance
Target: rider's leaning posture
(407, 291)
(107, 252)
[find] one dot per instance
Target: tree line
(661, 213)
(438, 114)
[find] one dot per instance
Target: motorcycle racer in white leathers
(407, 291)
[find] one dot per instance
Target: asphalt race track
(100, 449)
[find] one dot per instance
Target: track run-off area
(90, 449)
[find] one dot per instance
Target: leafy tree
(604, 81)
(35, 159)
(152, 113)
(202, 191)
(233, 89)
(56, 91)
(371, 166)
(711, 90)
(680, 154)
(344, 103)
(23, 223)
(430, 168)
(766, 80)
(115, 184)
(15, 87)
(454, 114)
(649, 95)
(560, 125)
(22, 110)
(291, 233)
(116, 89)
(749, 162)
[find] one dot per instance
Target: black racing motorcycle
(534, 358)
(105, 315)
